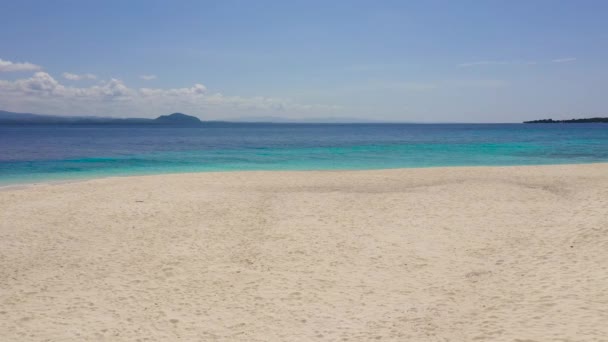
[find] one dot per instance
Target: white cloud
(44, 94)
(197, 89)
(77, 77)
(148, 77)
(41, 84)
(8, 66)
(564, 60)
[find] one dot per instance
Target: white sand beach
(440, 254)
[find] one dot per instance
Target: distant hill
(587, 120)
(178, 118)
(175, 119)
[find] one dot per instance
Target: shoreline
(17, 186)
(423, 254)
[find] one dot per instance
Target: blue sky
(434, 61)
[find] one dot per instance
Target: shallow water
(43, 153)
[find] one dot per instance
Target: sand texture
(446, 254)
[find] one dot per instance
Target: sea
(33, 153)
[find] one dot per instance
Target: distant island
(178, 118)
(175, 119)
(587, 120)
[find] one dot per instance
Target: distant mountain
(178, 118)
(586, 120)
(175, 119)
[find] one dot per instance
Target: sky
(413, 61)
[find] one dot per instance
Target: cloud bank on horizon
(394, 61)
(8, 66)
(42, 93)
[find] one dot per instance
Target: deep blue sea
(45, 153)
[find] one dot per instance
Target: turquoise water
(42, 153)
